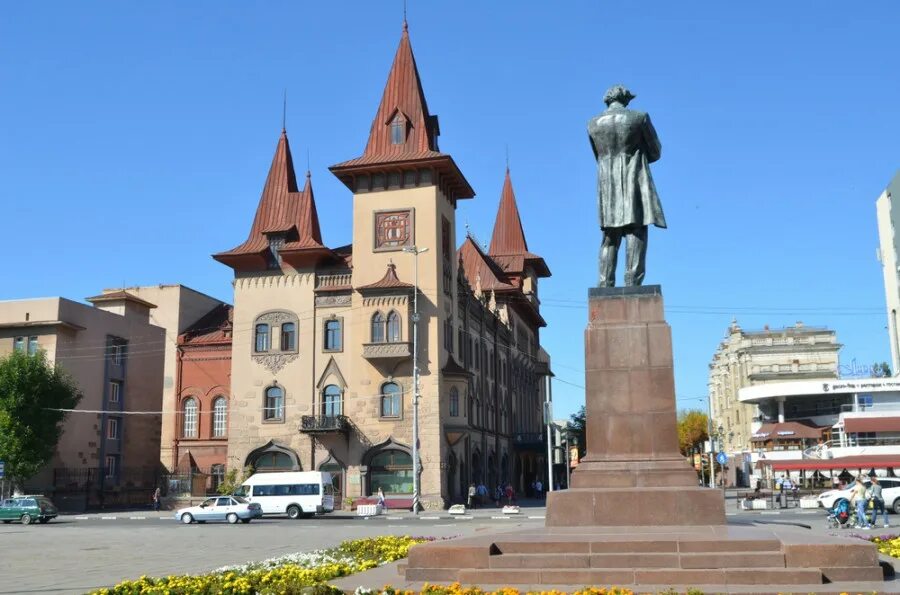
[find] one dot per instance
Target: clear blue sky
(135, 139)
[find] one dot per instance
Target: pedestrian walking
(482, 492)
(157, 496)
(510, 494)
(538, 489)
(380, 496)
(471, 496)
(875, 495)
(498, 495)
(861, 502)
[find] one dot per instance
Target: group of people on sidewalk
(862, 497)
(479, 495)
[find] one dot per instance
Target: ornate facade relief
(274, 362)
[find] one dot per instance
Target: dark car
(27, 509)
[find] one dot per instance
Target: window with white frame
(220, 417)
(391, 400)
(189, 418)
(273, 409)
(333, 337)
(393, 327)
(261, 342)
(112, 428)
(288, 336)
(115, 390)
(112, 466)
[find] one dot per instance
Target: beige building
(889, 246)
(112, 351)
(322, 356)
(747, 358)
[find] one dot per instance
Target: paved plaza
(74, 554)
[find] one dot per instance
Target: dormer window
(276, 243)
(398, 132)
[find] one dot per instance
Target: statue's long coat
(625, 143)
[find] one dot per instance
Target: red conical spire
(307, 216)
(404, 101)
(508, 237)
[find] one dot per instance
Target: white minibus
(295, 493)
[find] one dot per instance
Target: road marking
(394, 518)
(165, 518)
(500, 517)
(108, 518)
(137, 518)
(537, 517)
(771, 512)
(429, 518)
(447, 525)
(463, 518)
(81, 518)
(808, 512)
(731, 514)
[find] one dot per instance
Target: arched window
(397, 132)
(262, 338)
(331, 401)
(393, 327)
(454, 402)
(288, 336)
(378, 328)
(391, 400)
(392, 471)
(189, 420)
(220, 417)
(273, 461)
(273, 408)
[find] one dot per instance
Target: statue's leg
(609, 253)
(636, 255)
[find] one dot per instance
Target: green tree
(692, 429)
(575, 428)
(233, 480)
(32, 392)
(881, 370)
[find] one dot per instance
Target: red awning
(856, 463)
(871, 424)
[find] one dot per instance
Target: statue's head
(618, 93)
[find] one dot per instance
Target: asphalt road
(75, 554)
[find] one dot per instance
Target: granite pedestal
(632, 439)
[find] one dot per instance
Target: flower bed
(457, 589)
(285, 574)
(888, 543)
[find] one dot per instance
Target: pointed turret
(508, 236)
(403, 139)
(509, 248)
(284, 217)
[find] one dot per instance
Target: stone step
(693, 546)
(837, 574)
(642, 560)
(629, 576)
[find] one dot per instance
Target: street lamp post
(415, 251)
(712, 444)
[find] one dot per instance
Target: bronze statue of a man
(625, 144)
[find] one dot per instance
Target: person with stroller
(874, 494)
(861, 502)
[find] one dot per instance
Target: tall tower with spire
(405, 192)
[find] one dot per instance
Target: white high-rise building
(888, 220)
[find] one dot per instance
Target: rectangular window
(32, 345)
(288, 336)
(19, 344)
(112, 428)
(116, 354)
(112, 466)
(333, 339)
(115, 389)
(262, 338)
(390, 405)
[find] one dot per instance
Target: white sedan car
(220, 508)
(890, 491)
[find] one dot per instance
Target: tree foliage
(692, 429)
(32, 390)
(576, 427)
(234, 479)
(881, 370)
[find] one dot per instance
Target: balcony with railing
(324, 424)
(393, 350)
(333, 282)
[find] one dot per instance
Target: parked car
(27, 509)
(890, 491)
(220, 508)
